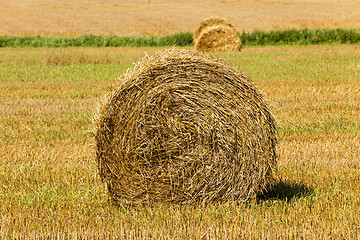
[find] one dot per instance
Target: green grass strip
(180, 39)
(301, 37)
(256, 38)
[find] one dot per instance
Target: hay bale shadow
(285, 190)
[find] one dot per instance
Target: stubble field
(48, 178)
(49, 187)
(165, 17)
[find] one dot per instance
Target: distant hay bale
(210, 22)
(218, 39)
(217, 35)
(183, 126)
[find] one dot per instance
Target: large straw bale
(209, 22)
(218, 39)
(183, 126)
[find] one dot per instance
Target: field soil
(164, 17)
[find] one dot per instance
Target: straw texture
(216, 35)
(218, 39)
(210, 22)
(183, 126)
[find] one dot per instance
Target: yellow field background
(49, 184)
(164, 17)
(49, 187)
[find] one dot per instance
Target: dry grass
(65, 57)
(164, 17)
(48, 177)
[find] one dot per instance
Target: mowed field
(164, 17)
(49, 185)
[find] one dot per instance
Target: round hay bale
(183, 126)
(218, 39)
(209, 22)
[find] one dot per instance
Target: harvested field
(165, 17)
(49, 183)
